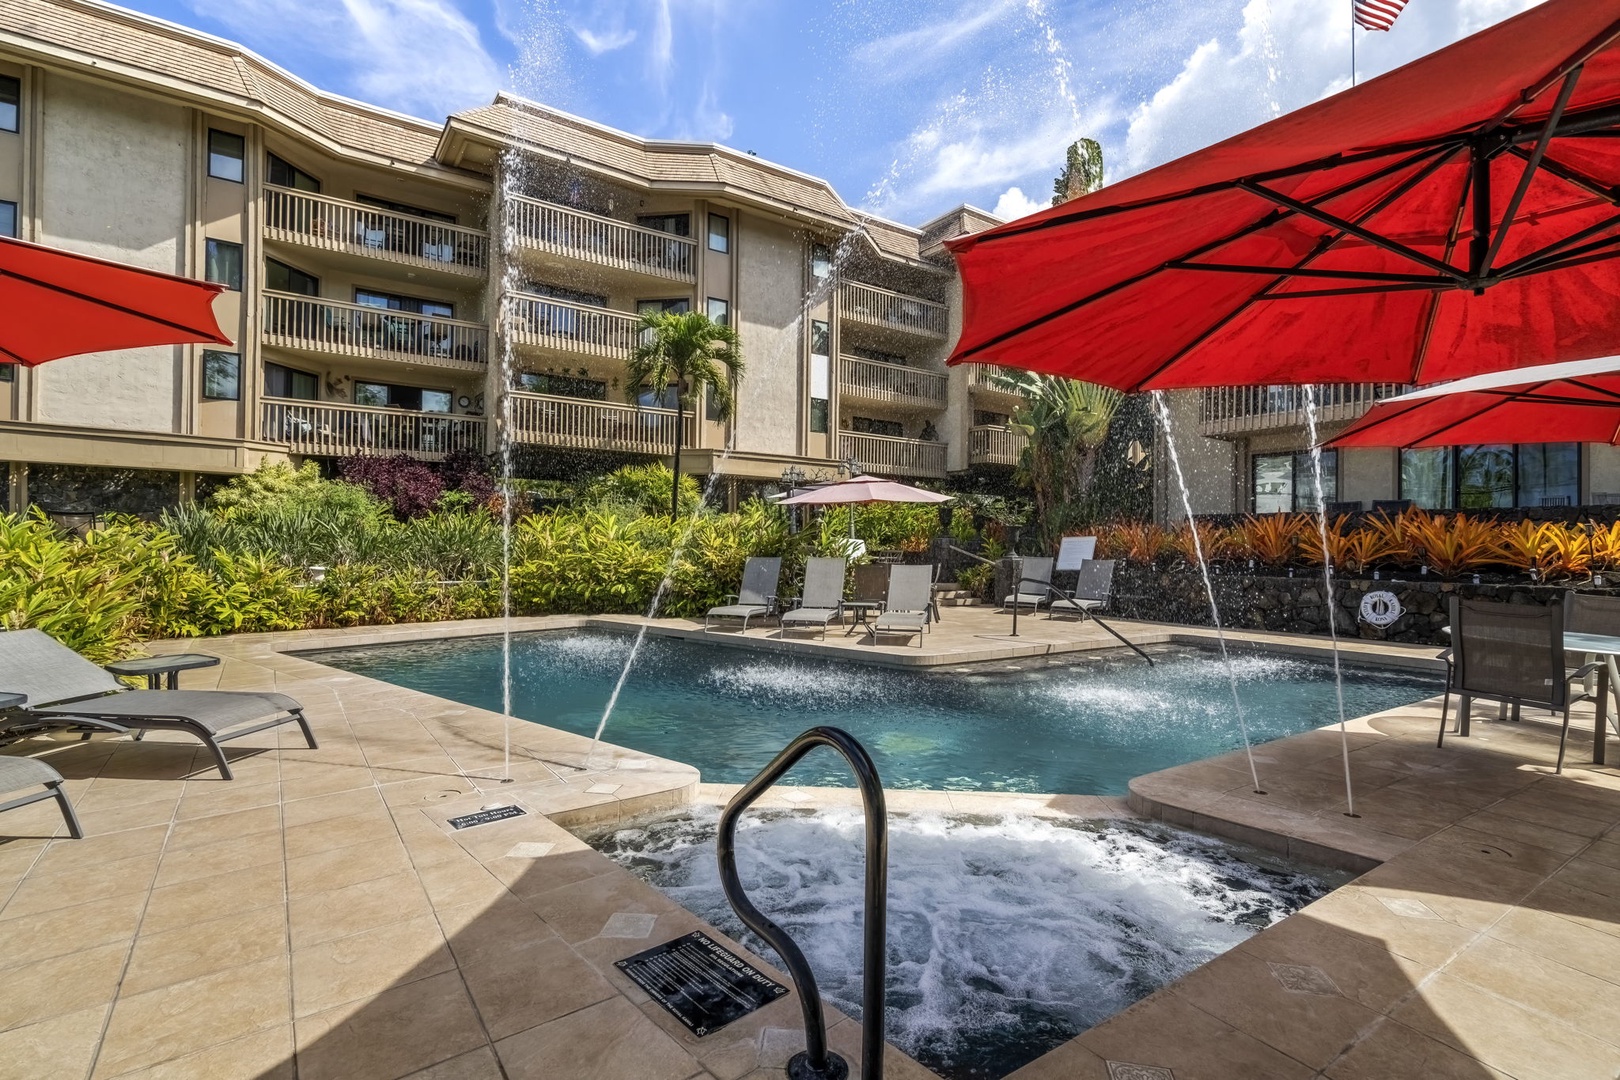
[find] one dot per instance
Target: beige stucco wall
(114, 171)
(1368, 474)
(1208, 465)
(771, 401)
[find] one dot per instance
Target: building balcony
(332, 327)
(983, 380)
(318, 221)
(331, 429)
(561, 326)
(990, 444)
(546, 420)
(575, 235)
(886, 455)
(892, 311)
(890, 384)
(1236, 411)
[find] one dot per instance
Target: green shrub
(644, 488)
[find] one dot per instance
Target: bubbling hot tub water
(1007, 936)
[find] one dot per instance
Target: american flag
(1376, 14)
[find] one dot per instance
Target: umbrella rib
(1589, 253)
(1353, 290)
(1301, 271)
(1528, 263)
(102, 302)
(1604, 38)
(1572, 176)
(1530, 168)
(1341, 225)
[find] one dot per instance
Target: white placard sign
(1380, 608)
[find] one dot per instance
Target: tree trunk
(675, 481)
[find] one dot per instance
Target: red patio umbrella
(56, 304)
(1574, 402)
(1458, 215)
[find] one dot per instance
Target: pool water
(1084, 728)
(1007, 936)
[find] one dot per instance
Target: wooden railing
(1239, 410)
(894, 311)
(991, 444)
(577, 328)
(601, 240)
(327, 429)
(301, 217)
(595, 425)
(872, 380)
(984, 378)
(885, 455)
(331, 326)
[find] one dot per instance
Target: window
(222, 376)
(434, 308)
(719, 311)
(820, 261)
(10, 102)
(1287, 482)
(1484, 477)
(868, 425)
(820, 374)
(225, 155)
(286, 382)
(562, 385)
(405, 209)
(388, 395)
(719, 233)
(8, 373)
(1426, 477)
(986, 418)
(283, 278)
(563, 292)
(674, 224)
(876, 354)
(667, 398)
(224, 264)
(1492, 476)
(1549, 474)
(8, 219)
(677, 306)
(285, 174)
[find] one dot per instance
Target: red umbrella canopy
(1458, 215)
(60, 304)
(1574, 402)
(864, 489)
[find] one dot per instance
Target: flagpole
(1352, 42)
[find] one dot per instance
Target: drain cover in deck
(700, 982)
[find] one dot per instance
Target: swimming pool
(1008, 936)
(1081, 728)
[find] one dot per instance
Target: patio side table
(154, 668)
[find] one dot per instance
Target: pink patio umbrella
(863, 489)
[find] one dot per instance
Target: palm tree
(693, 352)
(1066, 422)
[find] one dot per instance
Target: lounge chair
(911, 591)
(757, 596)
(1034, 587)
(77, 693)
(1592, 613)
(18, 773)
(1093, 589)
(823, 598)
(1512, 653)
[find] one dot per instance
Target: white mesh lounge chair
(1093, 589)
(1034, 586)
(823, 597)
(20, 773)
(1591, 613)
(73, 691)
(911, 590)
(757, 596)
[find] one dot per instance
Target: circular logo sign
(1380, 608)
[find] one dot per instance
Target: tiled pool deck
(315, 918)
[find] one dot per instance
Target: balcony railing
(602, 240)
(1240, 410)
(891, 310)
(895, 384)
(595, 425)
(575, 328)
(300, 217)
(993, 445)
(331, 326)
(326, 429)
(983, 378)
(883, 455)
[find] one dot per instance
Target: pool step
(947, 594)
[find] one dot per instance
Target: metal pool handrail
(816, 1062)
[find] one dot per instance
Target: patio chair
(755, 598)
(76, 693)
(1512, 653)
(822, 600)
(911, 591)
(1034, 587)
(1589, 613)
(871, 584)
(20, 773)
(1093, 589)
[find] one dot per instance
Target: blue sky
(908, 106)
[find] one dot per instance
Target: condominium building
(399, 286)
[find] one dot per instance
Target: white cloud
(606, 41)
(895, 54)
(416, 56)
(1015, 204)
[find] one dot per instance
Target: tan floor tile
(1392, 1050)
(339, 804)
(1562, 940)
(479, 933)
(181, 865)
(364, 965)
(115, 820)
(204, 798)
(1589, 1004)
(578, 911)
(608, 1041)
(204, 948)
(228, 826)
(160, 1025)
(478, 1065)
(62, 984)
(532, 984)
(1592, 876)
(463, 881)
(62, 1046)
(264, 1055)
(1166, 1031)
(1071, 1061)
(1503, 1035)
(1606, 852)
(318, 780)
(1497, 821)
(323, 916)
(69, 929)
(328, 833)
(1357, 911)
(192, 902)
(101, 849)
(344, 866)
(1362, 968)
(45, 891)
(406, 1029)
